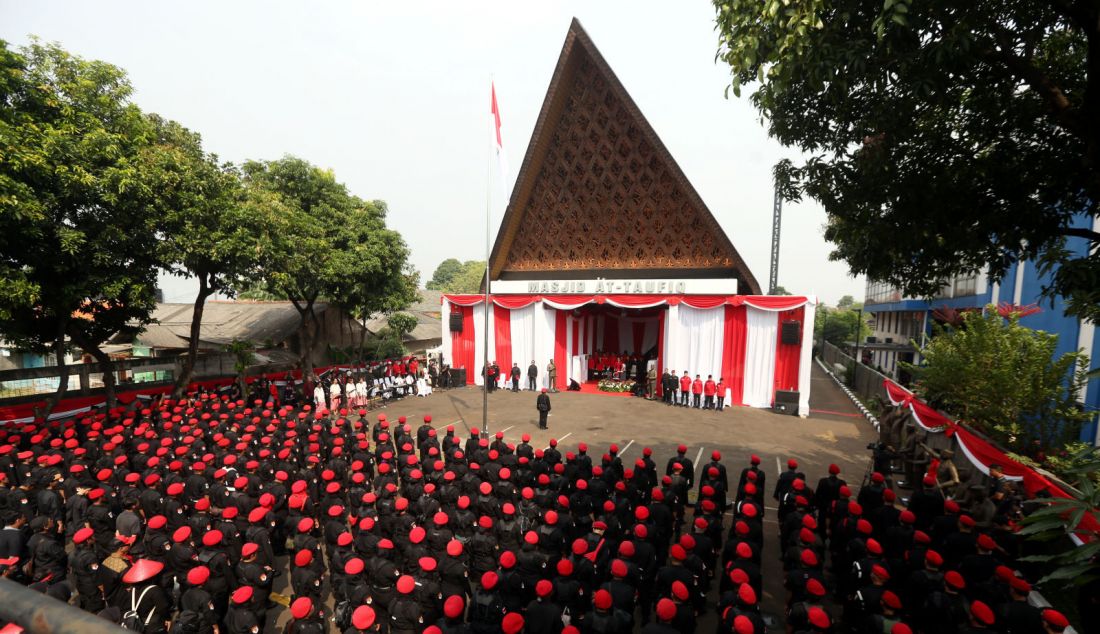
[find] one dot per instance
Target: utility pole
(777, 214)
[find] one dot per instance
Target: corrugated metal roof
(427, 315)
(222, 323)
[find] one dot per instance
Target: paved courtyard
(834, 432)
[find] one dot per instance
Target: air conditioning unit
(872, 339)
(889, 340)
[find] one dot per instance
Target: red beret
(1055, 619)
(512, 623)
(489, 580)
(242, 594)
(198, 575)
(602, 599)
(454, 606)
(954, 579)
(301, 607)
(666, 610)
(982, 613)
(891, 600)
(363, 617)
(406, 584)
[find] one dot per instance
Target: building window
(966, 285)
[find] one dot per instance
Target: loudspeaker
(786, 402)
(456, 322)
(791, 333)
(458, 377)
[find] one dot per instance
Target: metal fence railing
(863, 380)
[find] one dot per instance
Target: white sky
(394, 97)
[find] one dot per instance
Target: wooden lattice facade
(598, 194)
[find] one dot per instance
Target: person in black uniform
(542, 404)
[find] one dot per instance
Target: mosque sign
(601, 286)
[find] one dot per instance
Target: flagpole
(488, 293)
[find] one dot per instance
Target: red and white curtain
(735, 338)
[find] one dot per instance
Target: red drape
(787, 355)
(576, 337)
(660, 352)
(733, 353)
(462, 345)
(639, 336)
(502, 329)
(559, 350)
(611, 334)
(763, 302)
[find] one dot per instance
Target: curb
(855, 400)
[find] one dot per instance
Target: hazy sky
(394, 97)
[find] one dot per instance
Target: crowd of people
(182, 516)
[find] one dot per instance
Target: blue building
(899, 320)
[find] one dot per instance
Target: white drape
(762, 331)
(479, 343)
(649, 340)
(544, 340)
(696, 338)
(805, 358)
(569, 370)
(522, 323)
(445, 312)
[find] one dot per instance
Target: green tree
(940, 140)
(1004, 380)
(840, 326)
(214, 231)
(779, 290)
(469, 280)
(846, 302)
(328, 244)
(401, 324)
(1061, 517)
(443, 275)
(243, 357)
(78, 230)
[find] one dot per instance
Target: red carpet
(590, 388)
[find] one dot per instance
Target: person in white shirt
(318, 395)
(334, 396)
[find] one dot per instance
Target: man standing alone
(532, 374)
(542, 403)
(551, 376)
(515, 377)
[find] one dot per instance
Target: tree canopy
(941, 140)
(329, 244)
(78, 235)
(1004, 379)
(452, 276)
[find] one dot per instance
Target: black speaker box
(786, 402)
(458, 377)
(790, 334)
(456, 322)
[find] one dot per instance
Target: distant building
(427, 335)
(271, 326)
(899, 320)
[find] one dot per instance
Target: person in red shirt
(697, 391)
(709, 388)
(721, 389)
(685, 389)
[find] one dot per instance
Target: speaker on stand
(790, 333)
(786, 402)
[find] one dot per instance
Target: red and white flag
(498, 140)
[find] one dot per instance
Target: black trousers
(542, 419)
(709, 402)
(531, 383)
(515, 384)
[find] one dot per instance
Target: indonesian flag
(498, 140)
